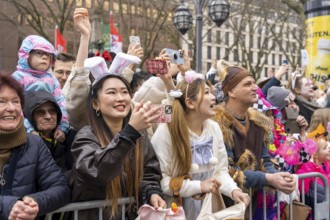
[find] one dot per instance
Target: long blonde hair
(130, 178)
(177, 127)
(320, 116)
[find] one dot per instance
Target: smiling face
(39, 60)
(10, 109)
(113, 100)
(62, 70)
(45, 118)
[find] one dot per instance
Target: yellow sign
(318, 49)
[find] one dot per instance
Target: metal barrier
(321, 210)
(99, 204)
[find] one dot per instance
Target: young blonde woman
(192, 144)
(320, 116)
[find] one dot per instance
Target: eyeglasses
(43, 112)
(40, 53)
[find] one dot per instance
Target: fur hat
(234, 76)
(276, 96)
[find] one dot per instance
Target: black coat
(95, 167)
(36, 175)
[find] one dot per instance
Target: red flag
(60, 42)
(116, 41)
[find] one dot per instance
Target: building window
(209, 56)
(227, 38)
(106, 6)
(209, 65)
(116, 7)
(169, 17)
(133, 9)
(280, 61)
(155, 13)
(28, 19)
(88, 3)
(266, 71)
(124, 8)
(19, 19)
(227, 53)
(79, 3)
(218, 37)
(218, 53)
(209, 36)
(190, 47)
(273, 59)
(235, 55)
(139, 10)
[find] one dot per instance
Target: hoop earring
(98, 113)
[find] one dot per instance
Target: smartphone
(166, 113)
(156, 66)
(291, 125)
(176, 56)
(133, 40)
(285, 62)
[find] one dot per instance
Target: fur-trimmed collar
(225, 120)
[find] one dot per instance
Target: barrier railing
(97, 204)
(321, 210)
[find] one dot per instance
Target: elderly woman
(44, 114)
(31, 183)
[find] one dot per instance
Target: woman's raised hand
(81, 20)
(143, 115)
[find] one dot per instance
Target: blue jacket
(36, 175)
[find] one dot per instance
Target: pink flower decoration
(290, 153)
(328, 127)
(310, 146)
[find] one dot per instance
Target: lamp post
(218, 11)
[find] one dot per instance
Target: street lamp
(218, 11)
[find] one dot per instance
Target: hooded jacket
(36, 175)
(34, 80)
(35, 99)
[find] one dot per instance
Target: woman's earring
(98, 113)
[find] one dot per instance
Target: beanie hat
(234, 75)
(276, 96)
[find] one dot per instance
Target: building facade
(150, 20)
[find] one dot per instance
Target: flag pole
(55, 37)
(110, 38)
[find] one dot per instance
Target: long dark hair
(105, 135)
